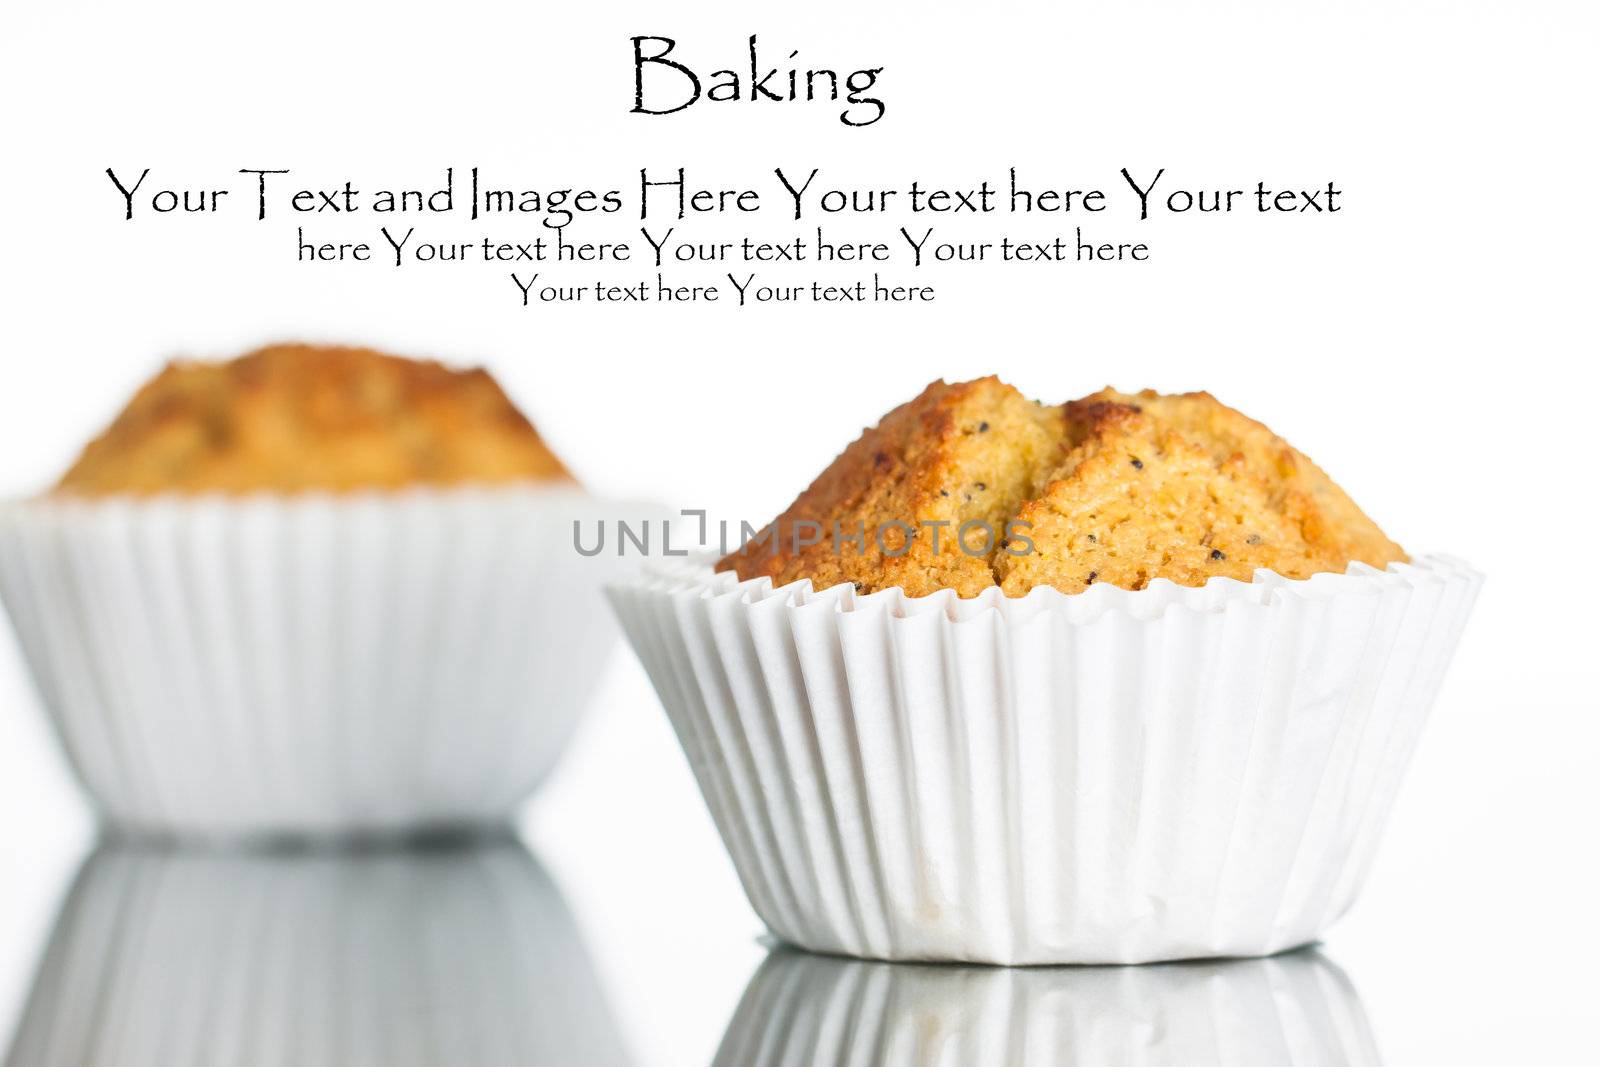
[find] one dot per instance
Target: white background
(1433, 346)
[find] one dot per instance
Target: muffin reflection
(446, 955)
(1282, 1011)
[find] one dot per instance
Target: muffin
(971, 486)
(310, 590)
(1149, 698)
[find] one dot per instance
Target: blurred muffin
(298, 418)
(311, 590)
(971, 485)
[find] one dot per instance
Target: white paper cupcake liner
(377, 663)
(1111, 777)
(1297, 1010)
(316, 959)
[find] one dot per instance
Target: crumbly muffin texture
(298, 418)
(971, 485)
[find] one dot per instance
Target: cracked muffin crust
(297, 418)
(971, 485)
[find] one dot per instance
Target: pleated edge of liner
(694, 579)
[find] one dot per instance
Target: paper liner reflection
(1283, 1011)
(449, 955)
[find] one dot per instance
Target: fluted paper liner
(1110, 777)
(316, 958)
(373, 663)
(1297, 1010)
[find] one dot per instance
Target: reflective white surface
(466, 953)
(638, 941)
(1283, 1011)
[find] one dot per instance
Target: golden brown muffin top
(297, 418)
(971, 485)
